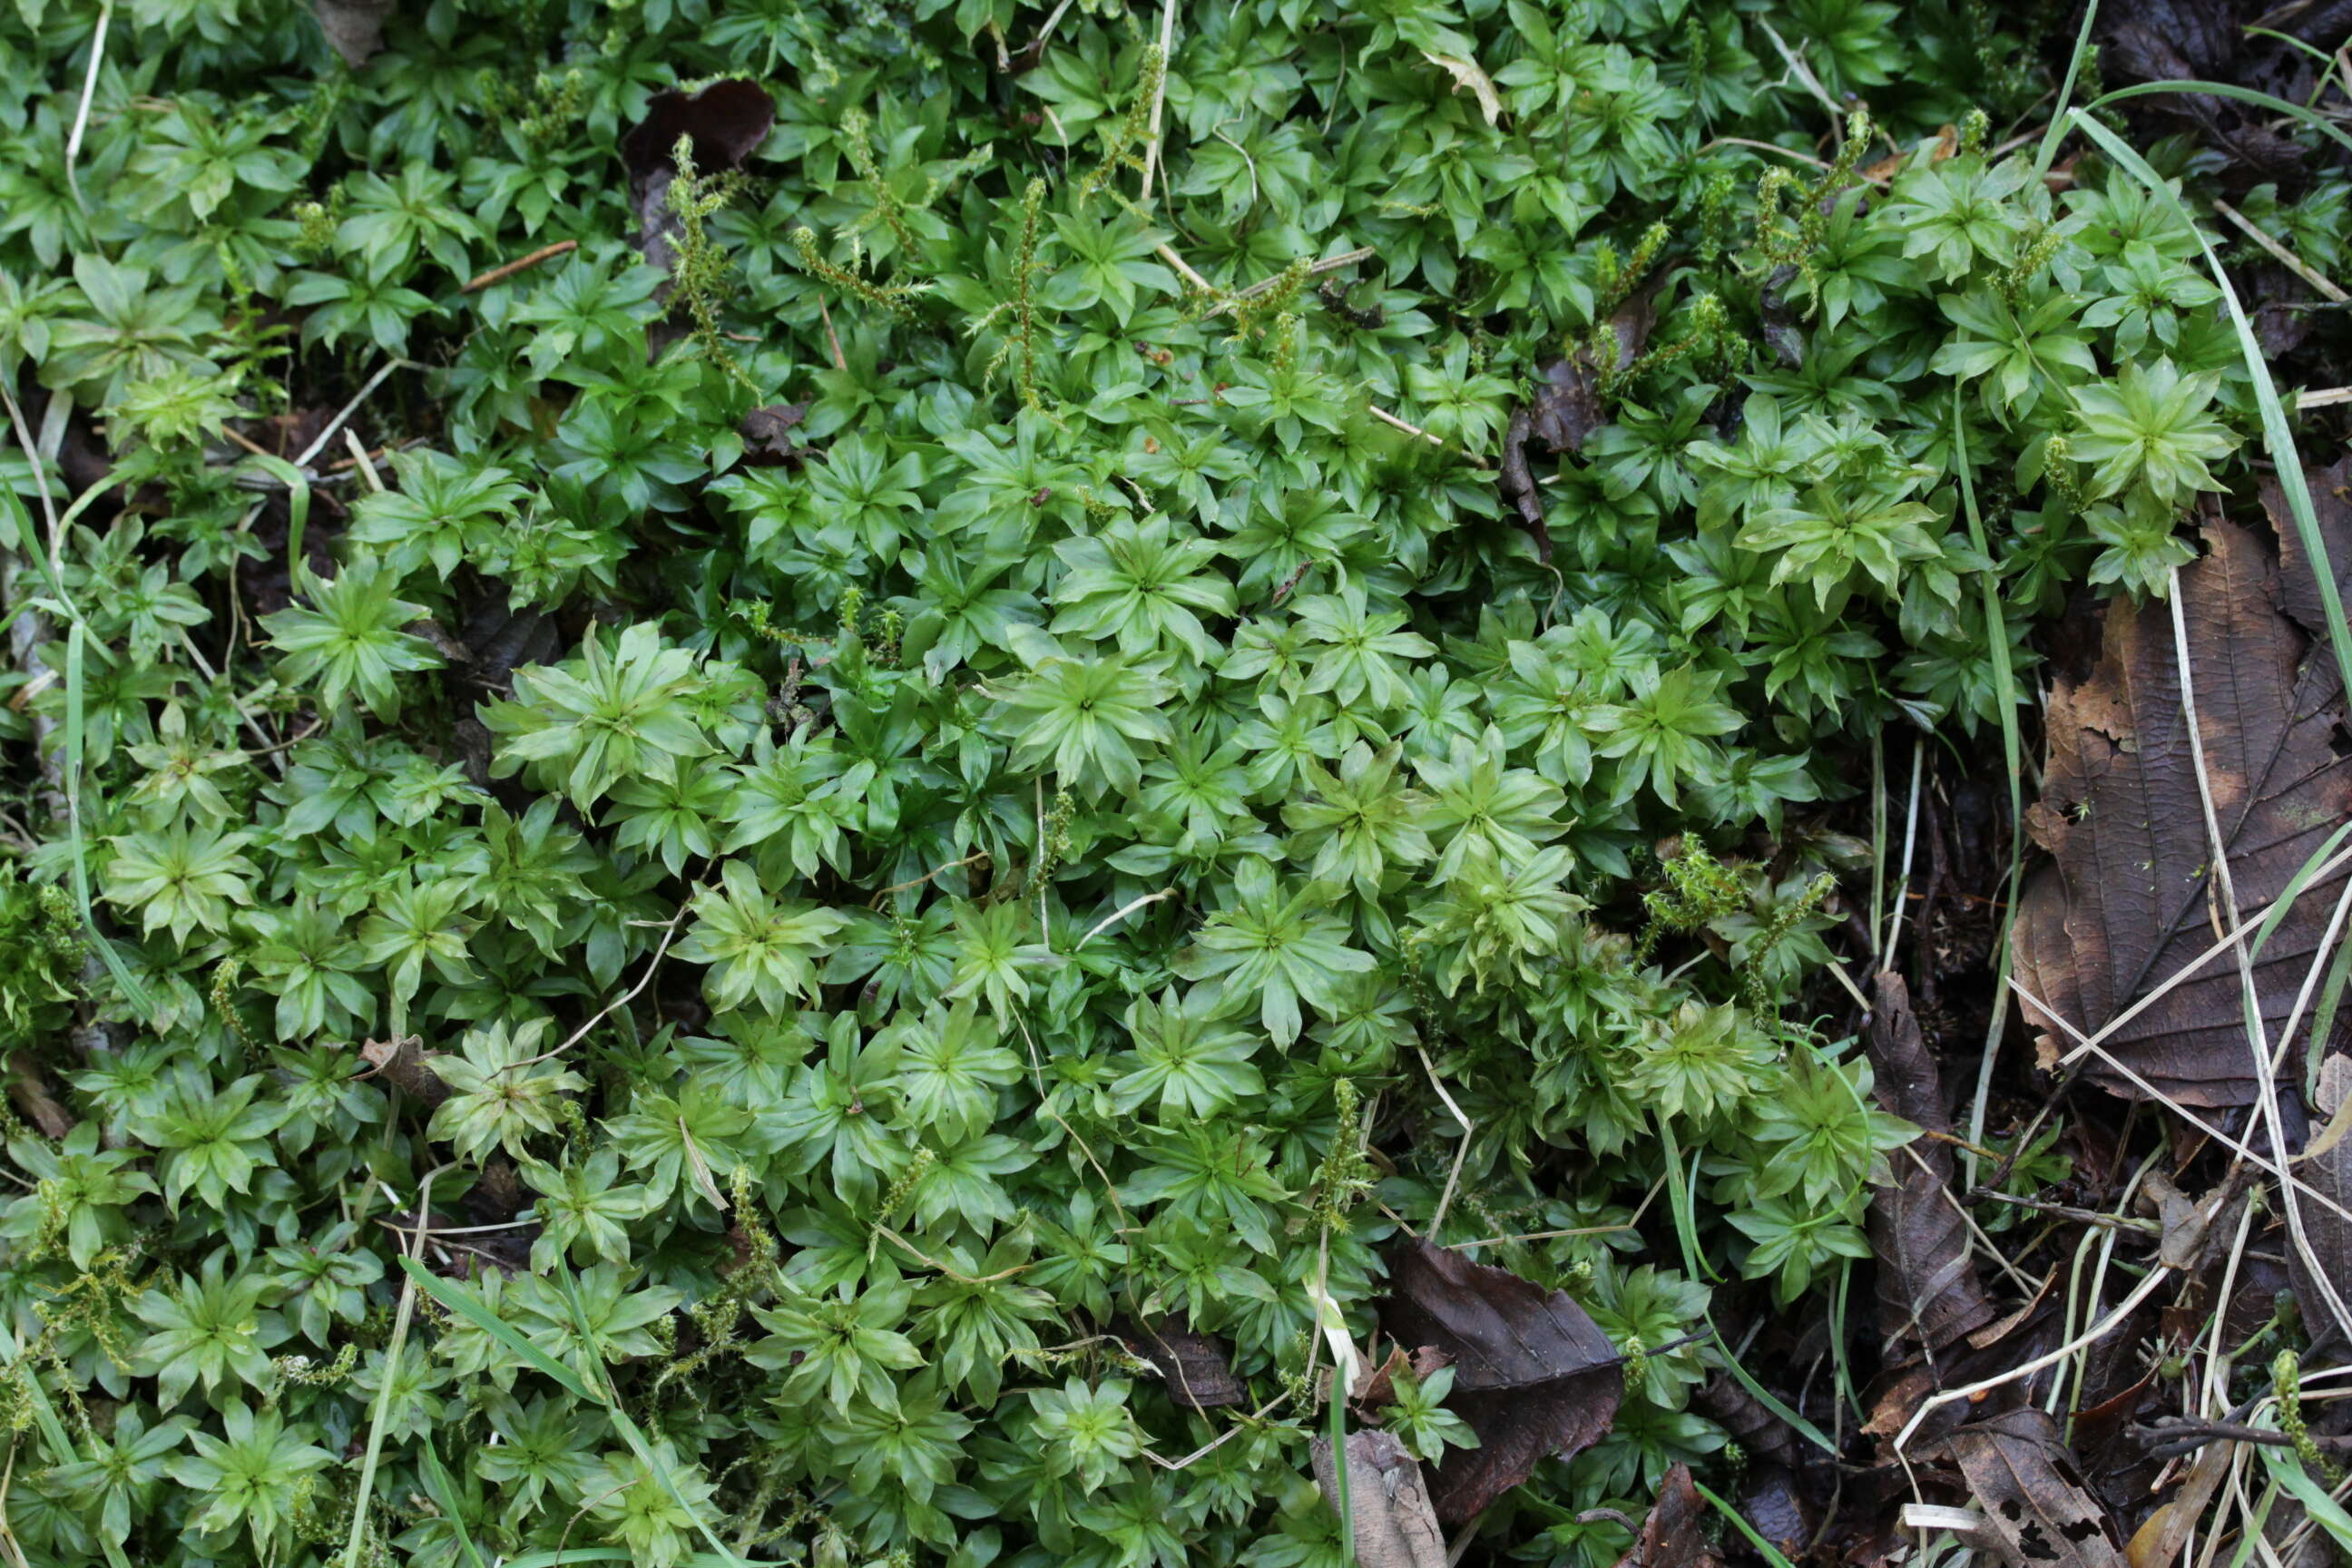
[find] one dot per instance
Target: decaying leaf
(1675, 1535)
(1469, 78)
(767, 435)
(1377, 1388)
(2128, 901)
(2330, 1172)
(1564, 411)
(2021, 1475)
(1533, 1374)
(355, 28)
(1387, 1501)
(2331, 508)
(726, 121)
(1928, 1292)
(407, 1065)
(1196, 1368)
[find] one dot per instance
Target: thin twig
(1445, 1201)
(960, 1279)
(359, 456)
(1158, 96)
(875, 902)
(520, 264)
(669, 934)
(1121, 913)
(89, 91)
(1385, 417)
(2281, 254)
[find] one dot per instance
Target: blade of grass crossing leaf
(1764, 1548)
(2047, 154)
(401, 1316)
(467, 1306)
(2005, 692)
(2276, 436)
(1678, 1203)
(630, 1431)
(297, 507)
(1765, 1396)
(2231, 90)
(444, 1491)
(2324, 1510)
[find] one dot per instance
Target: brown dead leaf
(2330, 1172)
(1387, 1501)
(767, 435)
(1197, 1368)
(1564, 411)
(2127, 903)
(1377, 1388)
(727, 121)
(2020, 1474)
(1533, 1374)
(2331, 508)
(355, 28)
(407, 1065)
(2157, 1541)
(1946, 142)
(1928, 1292)
(1469, 78)
(1675, 1535)
(32, 1097)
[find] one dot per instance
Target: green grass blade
(2297, 1482)
(632, 1434)
(1766, 1397)
(467, 1306)
(2277, 438)
(2047, 154)
(2004, 676)
(1764, 1548)
(443, 1492)
(2246, 95)
(297, 507)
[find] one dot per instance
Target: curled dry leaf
(1196, 1368)
(767, 435)
(1533, 1373)
(2020, 1473)
(1675, 1535)
(1928, 1292)
(1387, 1501)
(2128, 901)
(1469, 78)
(407, 1065)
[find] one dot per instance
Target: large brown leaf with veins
(2129, 900)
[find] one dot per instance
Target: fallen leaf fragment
(1675, 1535)
(2157, 1541)
(1564, 411)
(2019, 1471)
(2127, 903)
(355, 28)
(1533, 1373)
(1196, 1368)
(725, 120)
(407, 1065)
(1387, 1501)
(1467, 76)
(1928, 1292)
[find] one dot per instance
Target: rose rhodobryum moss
(942, 729)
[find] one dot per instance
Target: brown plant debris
(1928, 1292)
(2128, 901)
(1675, 1535)
(2019, 1471)
(1196, 1368)
(1533, 1374)
(1387, 1501)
